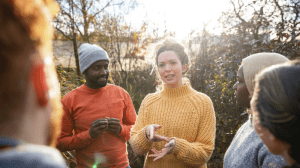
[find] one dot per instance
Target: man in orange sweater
(100, 114)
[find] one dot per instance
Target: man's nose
(102, 71)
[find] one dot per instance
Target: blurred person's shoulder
(30, 155)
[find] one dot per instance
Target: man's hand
(152, 136)
(97, 127)
(166, 150)
(114, 125)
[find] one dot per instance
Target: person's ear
(272, 138)
(38, 79)
(184, 68)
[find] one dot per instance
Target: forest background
(247, 27)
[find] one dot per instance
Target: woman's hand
(166, 150)
(152, 136)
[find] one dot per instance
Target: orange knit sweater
(84, 105)
(186, 116)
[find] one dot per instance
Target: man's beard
(102, 84)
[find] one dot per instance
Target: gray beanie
(89, 54)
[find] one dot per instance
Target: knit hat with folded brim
(89, 54)
(255, 63)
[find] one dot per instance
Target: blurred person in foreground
(276, 110)
(100, 114)
(30, 107)
(176, 126)
(246, 149)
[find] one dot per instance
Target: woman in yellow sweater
(175, 126)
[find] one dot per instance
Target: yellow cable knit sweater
(186, 116)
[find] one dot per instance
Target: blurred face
(241, 91)
(97, 74)
(170, 69)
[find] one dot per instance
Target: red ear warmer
(38, 78)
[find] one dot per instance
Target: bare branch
(63, 12)
(91, 4)
(77, 28)
(281, 10)
(94, 15)
(295, 23)
(238, 13)
(63, 33)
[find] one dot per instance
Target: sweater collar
(176, 93)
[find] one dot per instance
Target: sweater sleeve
(129, 118)
(199, 152)
(67, 141)
(138, 141)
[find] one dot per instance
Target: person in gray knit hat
(88, 54)
(100, 115)
(93, 56)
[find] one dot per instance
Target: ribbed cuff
(193, 159)
(139, 142)
(143, 141)
(177, 147)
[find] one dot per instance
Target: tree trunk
(76, 55)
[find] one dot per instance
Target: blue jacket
(24, 155)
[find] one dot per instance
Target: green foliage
(137, 83)
(68, 79)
